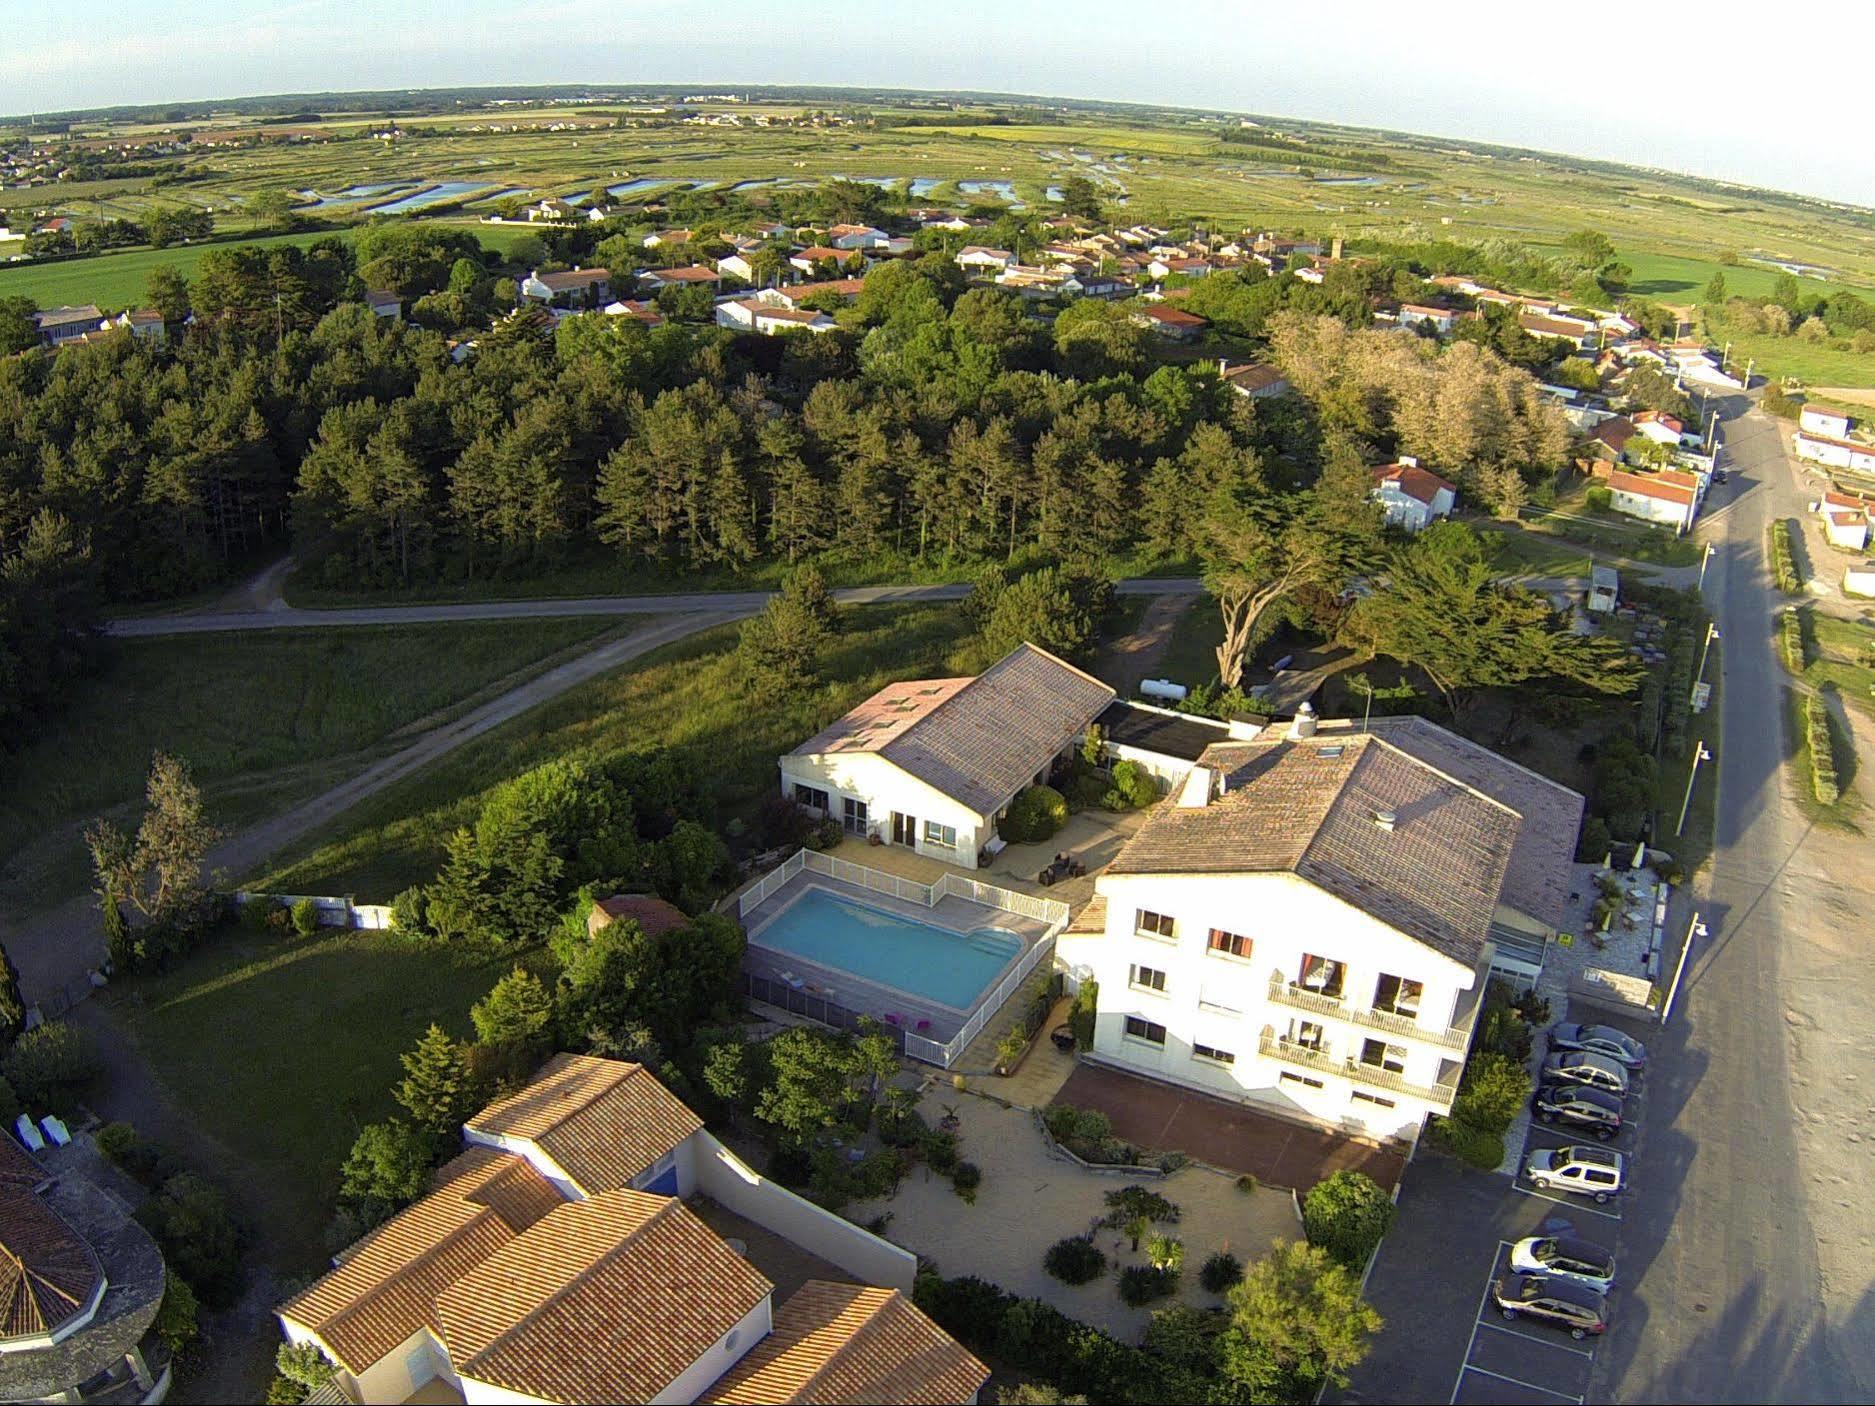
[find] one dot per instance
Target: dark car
(1603, 1040)
(1584, 1067)
(1563, 1257)
(1573, 1307)
(1579, 1106)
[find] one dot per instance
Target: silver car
(1563, 1257)
(1581, 1067)
(1585, 1171)
(1603, 1040)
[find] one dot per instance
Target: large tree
(1297, 1324)
(158, 871)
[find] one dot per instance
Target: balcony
(1307, 1057)
(1455, 1037)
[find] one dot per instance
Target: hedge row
(1783, 564)
(1793, 642)
(1822, 750)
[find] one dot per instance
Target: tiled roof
(655, 915)
(573, 278)
(66, 316)
(1174, 317)
(48, 1273)
(980, 739)
(606, 1299)
(602, 1121)
(1538, 877)
(693, 273)
(385, 1287)
(835, 1344)
(1415, 482)
(1310, 807)
(1552, 327)
(1614, 432)
(1254, 377)
(1651, 486)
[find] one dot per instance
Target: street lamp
(1712, 633)
(1700, 754)
(1696, 929)
(1705, 561)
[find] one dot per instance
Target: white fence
(945, 1055)
(333, 912)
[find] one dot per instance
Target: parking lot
(1521, 1361)
(1556, 1135)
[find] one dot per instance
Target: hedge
(1793, 642)
(1783, 564)
(1822, 750)
(1475, 1147)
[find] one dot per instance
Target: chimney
(1195, 794)
(1304, 724)
(1386, 820)
(1409, 461)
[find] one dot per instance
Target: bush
(1081, 1013)
(1247, 1183)
(1596, 843)
(965, 1181)
(1783, 564)
(940, 1152)
(1475, 1147)
(193, 1224)
(1493, 1092)
(175, 1320)
(115, 1141)
(1075, 1260)
(51, 1065)
(1132, 1203)
(1347, 1214)
(1033, 816)
(1823, 780)
(1220, 1272)
(1010, 1049)
(1599, 498)
(1059, 1120)
(1134, 786)
(305, 917)
(1141, 1284)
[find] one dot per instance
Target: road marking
(1527, 1386)
(1540, 1342)
(1573, 1202)
(1477, 1320)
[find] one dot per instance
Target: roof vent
(1409, 461)
(1304, 724)
(1196, 792)
(1386, 819)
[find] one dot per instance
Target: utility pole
(1700, 754)
(1694, 929)
(1704, 561)
(1712, 631)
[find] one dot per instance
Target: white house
(1439, 319)
(977, 258)
(1845, 520)
(585, 287)
(737, 266)
(1668, 498)
(769, 319)
(691, 275)
(931, 763)
(1412, 497)
(1835, 453)
(1660, 427)
(57, 326)
(1308, 926)
(1570, 329)
(385, 303)
(560, 1259)
(857, 237)
(1821, 419)
(1252, 380)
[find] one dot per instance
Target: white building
(1252, 380)
(1845, 520)
(1661, 428)
(932, 763)
(583, 287)
(1669, 498)
(1440, 319)
(1835, 453)
(1309, 925)
(1822, 420)
(1412, 497)
(737, 266)
(770, 319)
(977, 258)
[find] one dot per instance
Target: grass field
(113, 281)
(283, 1048)
(1813, 366)
(690, 697)
(1841, 656)
(260, 718)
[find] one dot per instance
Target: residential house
(857, 237)
(1578, 333)
(1439, 319)
(932, 763)
(770, 319)
(810, 259)
(1668, 498)
(664, 238)
(83, 1280)
(1845, 520)
(792, 295)
(691, 275)
(1309, 273)
(60, 325)
(1849, 454)
(1172, 322)
(1253, 381)
(636, 310)
(1412, 497)
(1309, 924)
(655, 916)
(553, 208)
(1824, 420)
(574, 287)
(1610, 438)
(1660, 427)
(942, 219)
(385, 303)
(145, 324)
(1033, 282)
(978, 259)
(738, 267)
(1163, 267)
(592, 1242)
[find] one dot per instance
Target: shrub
(1132, 1203)
(175, 1320)
(1783, 564)
(1170, 1162)
(1034, 815)
(1347, 1214)
(1493, 1091)
(1220, 1272)
(1081, 1013)
(115, 1141)
(1596, 843)
(1166, 1252)
(51, 1065)
(1133, 786)
(1075, 1260)
(965, 1181)
(940, 1152)
(1247, 1183)
(305, 917)
(1793, 642)
(1141, 1284)
(1823, 778)
(1059, 1120)
(1475, 1147)
(1599, 498)
(194, 1225)
(1092, 1125)
(1010, 1049)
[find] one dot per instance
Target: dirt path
(1131, 658)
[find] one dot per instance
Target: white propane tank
(1163, 689)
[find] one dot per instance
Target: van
(1581, 1171)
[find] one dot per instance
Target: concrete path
(1132, 658)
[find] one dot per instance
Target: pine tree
(516, 1011)
(12, 1003)
(435, 1088)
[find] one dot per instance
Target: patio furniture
(56, 1131)
(1064, 866)
(1063, 1036)
(29, 1133)
(923, 1026)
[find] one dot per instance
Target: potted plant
(1011, 1049)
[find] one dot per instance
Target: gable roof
(602, 1121)
(385, 1287)
(1308, 806)
(1615, 432)
(1537, 879)
(1173, 317)
(573, 278)
(848, 1343)
(606, 1299)
(48, 1271)
(976, 740)
(1422, 485)
(66, 316)
(1651, 486)
(1253, 376)
(655, 915)
(690, 273)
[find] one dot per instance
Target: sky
(1740, 92)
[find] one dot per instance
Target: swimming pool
(950, 968)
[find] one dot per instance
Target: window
(1384, 1056)
(1366, 1097)
(1148, 979)
(1148, 924)
(936, 834)
(1398, 995)
(1146, 1030)
(1228, 944)
(810, 796)
(1307, 1034)
(1322, 976)
(854, 815)
(1216, 1056)
(1300, 1079)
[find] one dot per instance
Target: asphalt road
(275, 614)
(1748, 1237)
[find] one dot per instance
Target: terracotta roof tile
(655, 915)
(834, 1344)
(48, 1273)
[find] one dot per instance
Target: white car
(1582, 1171)
(1563, 1257)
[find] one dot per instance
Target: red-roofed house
(1253, 381)
(1411, 496)
(810, 259)
(1660, 428)
(857, 237)
(1821, 419)
(691, 275)
(1668, 499)
(1610, 438)
(1176, 323)
(1845, 520)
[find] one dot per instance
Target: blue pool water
(643, 183)
(447, 190)
(949, 968)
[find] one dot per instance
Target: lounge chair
(56, 1131)
(29, 1133)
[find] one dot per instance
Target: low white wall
(731, 1182)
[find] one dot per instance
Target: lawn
(259, 716)
(1191, 655)
(283, 1048)
(1529, 551)
(1798, 359)
(1613, 536)
(1842, 656)
(690, 697)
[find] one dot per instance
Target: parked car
(1579, 1106)
(1582, 1171)
(1603, 1040)
(1560, 1257)
(1581, 1067)
(1579, 1309)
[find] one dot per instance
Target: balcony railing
(1308, 1057)
(1289, 994)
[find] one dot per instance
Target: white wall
(731, 1182)
(526, 1147)
(389, 1379)
(885, 788)
(1657, 510)
(756, 1324)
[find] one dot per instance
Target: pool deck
(908, 1010)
